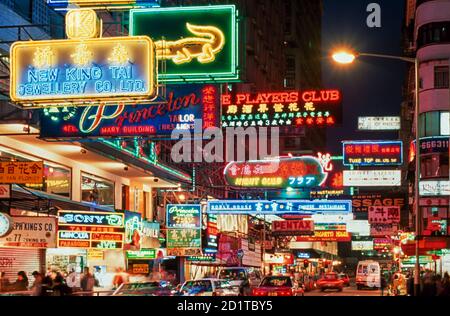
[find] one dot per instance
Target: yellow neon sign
(209, 42)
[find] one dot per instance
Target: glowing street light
(343, 57)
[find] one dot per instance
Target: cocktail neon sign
(299, 172)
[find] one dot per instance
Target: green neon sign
(197, 44)
(147, 254)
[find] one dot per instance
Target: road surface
(348, 291)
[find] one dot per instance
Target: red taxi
(278, 286)
(330, 281)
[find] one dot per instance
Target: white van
(368, 274)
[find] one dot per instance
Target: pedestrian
(445, 285)
(87, 282)
(4, 282)
(383, 284)
(438, 285)
(36, 288)
(60, 288)
(410, 284)
(73, 280)
(21, 283)
(429, 286)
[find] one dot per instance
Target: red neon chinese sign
(373, 153)
(293, 108)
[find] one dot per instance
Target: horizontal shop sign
(180, 216)
(434, 188)
(373, 153)
(5, 191)
(293, 227)
(362, 202)
(301, 207)
(362, 245)
(379, 123)
(147, 254)
(22, 172)
(331, 236)
(372, 178)
(101, 219)
(384, 214)
(111, 4)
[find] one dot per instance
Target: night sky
(371, 86)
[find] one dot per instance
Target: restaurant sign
(316, 108)
(298, 172)
(373, 153)
(31, 232)
(197, 44)
(298, 207)
(182, 106)
(19, 172)
(184, 238)
(91, 230)
(84, 68)
(180, 216)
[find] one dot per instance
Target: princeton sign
(293, 228)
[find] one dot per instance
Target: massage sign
(317, 108)
(90, 230)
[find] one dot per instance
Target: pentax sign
(293, 228)
(84, 68)
(317, 108)
(373, 153)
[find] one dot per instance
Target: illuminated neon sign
(183, 216)
(183, 105)
(299, 172)
(372, 178)
(379, 123)
(373, 153)
(62, 5)
(320, 108)
(198, 43)
(281, 207)
(83, 69)
(331, 236)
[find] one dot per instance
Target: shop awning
(37, 201)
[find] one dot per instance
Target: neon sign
(83, 69)
(372, 178)
(200, 44)
(331, 236)
(299, 172)
(91, 230)
(380, 123)
(373, 153)
(293, 228)
(291, 108)
(183, 106)
(183, 216)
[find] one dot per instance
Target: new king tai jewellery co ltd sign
(84, 68)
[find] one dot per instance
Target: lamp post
(344, 57)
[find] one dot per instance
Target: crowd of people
(52, 283)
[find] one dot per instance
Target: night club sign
(299, 172)
(319, 108)
(183, 105)
(84, 68)
(373, 153)
(197, 44)
(298, 207)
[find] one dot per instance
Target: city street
(348, 291)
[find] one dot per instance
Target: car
(244, 278)
(278, 286)
(155, 288)
(330, 281)
(345, 278)
(208, 287)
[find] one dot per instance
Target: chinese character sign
(373, 153)
(291, 108)
(16, 172)
(384, 214)
(184, 238)
(300, 172)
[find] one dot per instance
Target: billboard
(372, 178)
(31, 232)
(184, 216)
(184, 239)
(365, 245)
(379, 123)
(91, 230)
(383, 230)
(77, 72)
(434, 188)
(317, 108)
(373, 153)
(384, 215)
(362, 202)
(178, 112)
(293, 228)
(433, 145)
(358, 228)
(197, 44)
(298, 172)
(298, 207)
(62, 5)
(19, 172)
(322, 236)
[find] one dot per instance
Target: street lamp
(346, 57)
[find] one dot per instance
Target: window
(445, 124)
(434, 166)
(433, 33)
(96, 190)
(434, 123)
(441, 77)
